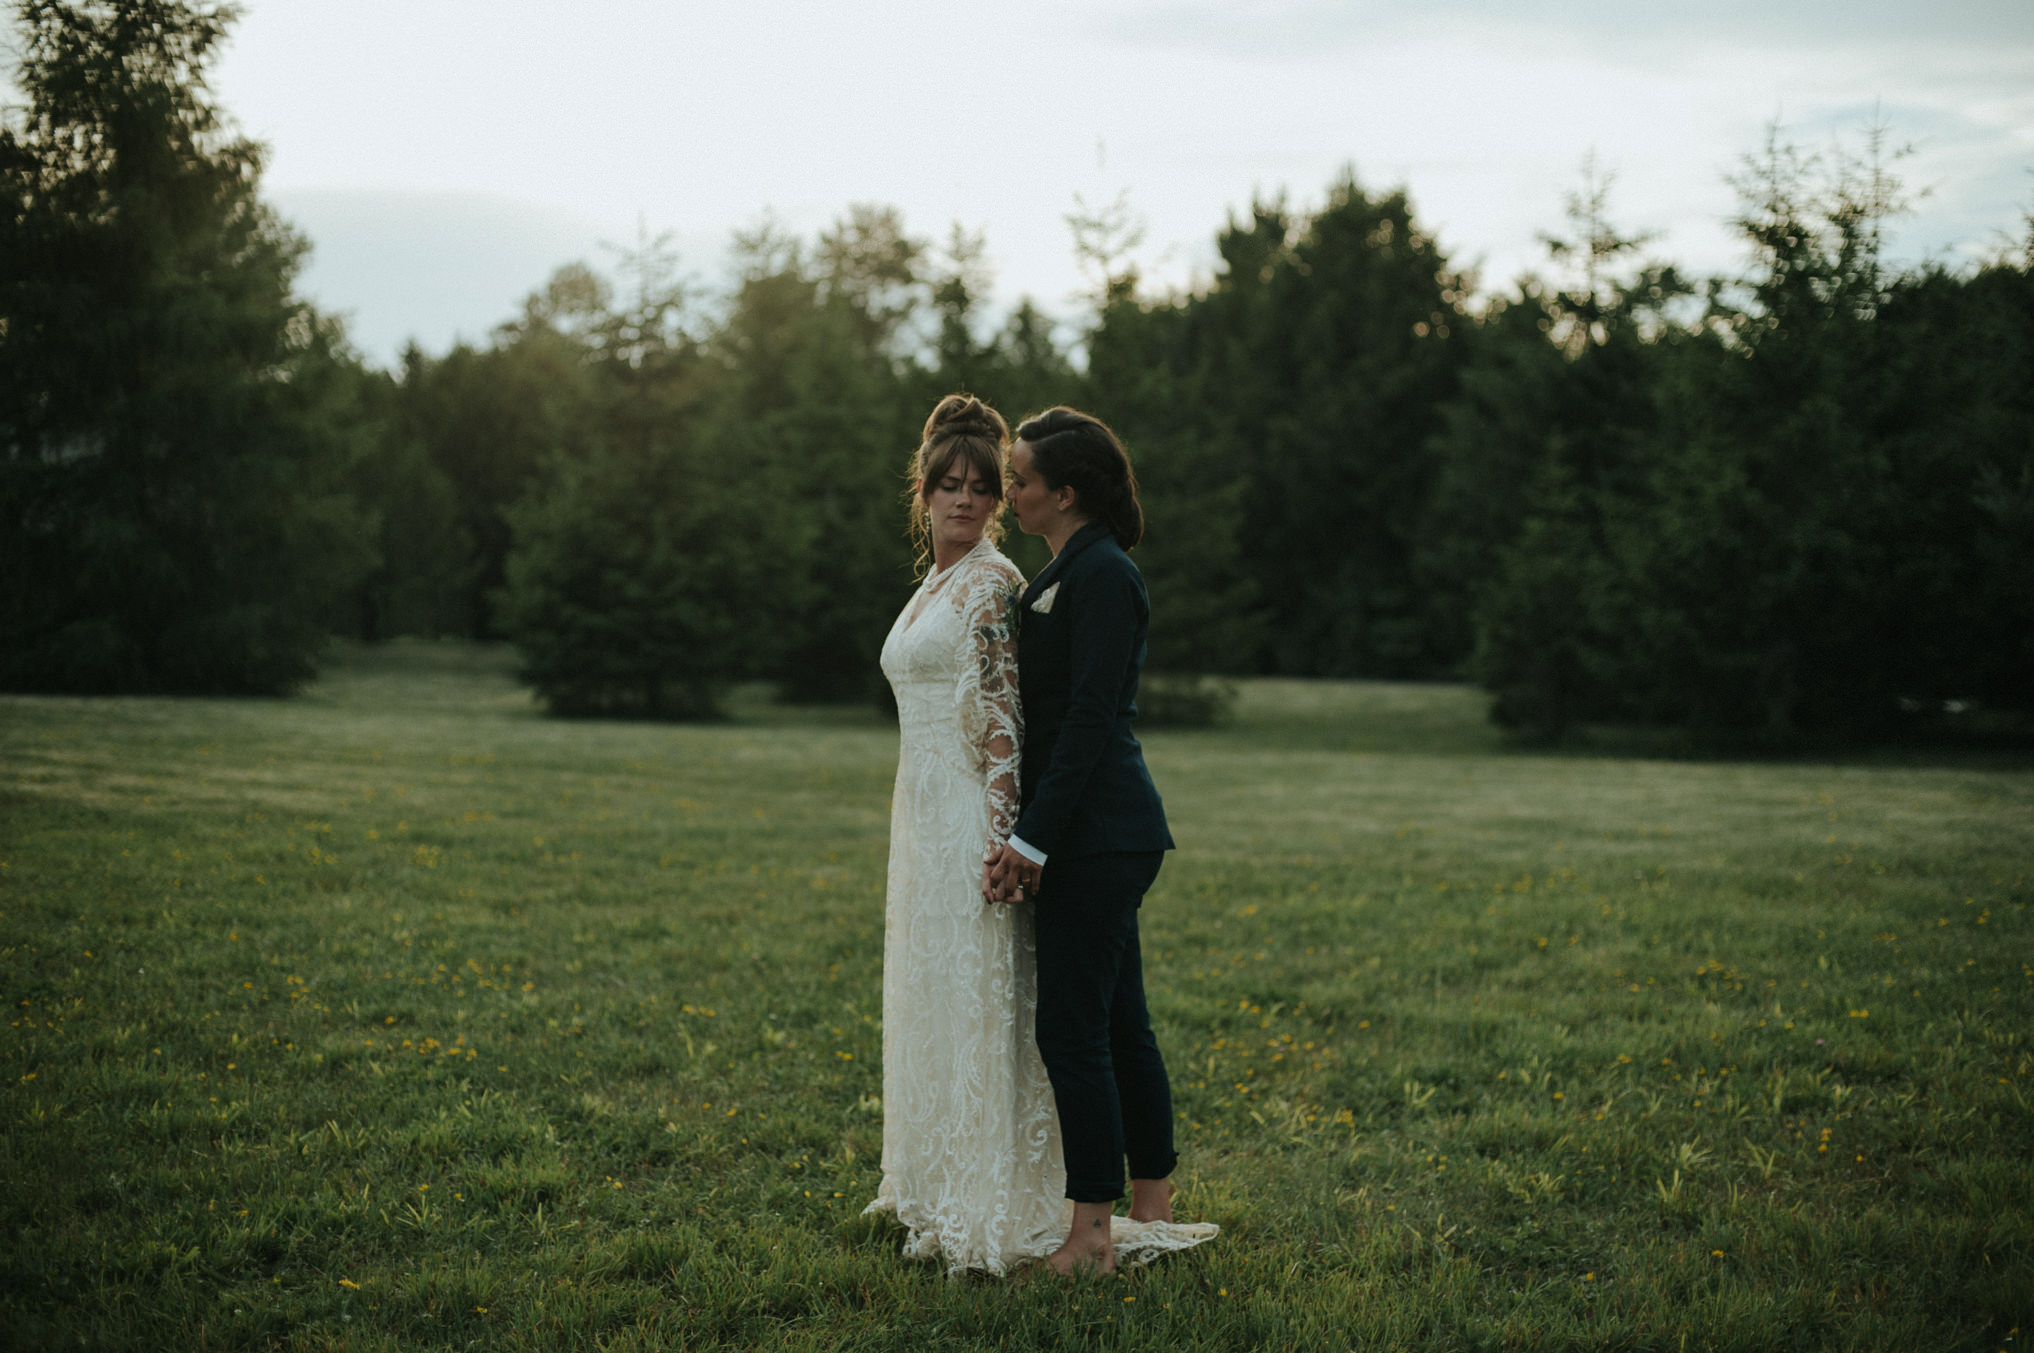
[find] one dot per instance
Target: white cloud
(515, 118)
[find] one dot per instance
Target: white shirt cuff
(1027, 850)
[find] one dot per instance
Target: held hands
(1009, 877)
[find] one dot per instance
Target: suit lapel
(1077, 542)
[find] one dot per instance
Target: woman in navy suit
(1091, 832)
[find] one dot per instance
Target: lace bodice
(952, 661)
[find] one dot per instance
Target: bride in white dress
(971, 1153)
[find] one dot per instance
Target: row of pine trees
(1793, 505)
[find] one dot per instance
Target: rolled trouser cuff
(1087, 1191)
(1151, 1169)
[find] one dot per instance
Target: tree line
(1790, 505)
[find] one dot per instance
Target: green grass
(396, 1016)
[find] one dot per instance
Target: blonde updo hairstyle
(962, 428)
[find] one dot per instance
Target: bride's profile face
(960, 504)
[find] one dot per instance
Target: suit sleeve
(1102, 621)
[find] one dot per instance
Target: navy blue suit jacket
(1085, 789)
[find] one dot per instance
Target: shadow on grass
(1944, 743)
(422, 674)
(1298, 714)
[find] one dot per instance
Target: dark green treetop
(174, 423)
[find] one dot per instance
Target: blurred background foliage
(1794, 506)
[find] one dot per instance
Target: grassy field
(398, 1017)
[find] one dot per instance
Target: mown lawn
(396, 1016)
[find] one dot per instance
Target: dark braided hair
(961, 428)
(1077, 450)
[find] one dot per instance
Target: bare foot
(1150, 1200)
(1087, 1243)
(1070, 1259)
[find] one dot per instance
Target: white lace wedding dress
(971, 1155)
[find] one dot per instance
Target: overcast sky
(445, 155)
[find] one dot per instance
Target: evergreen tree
(1018, 370)
(1954, 395)
(1760, 552)
(1803, 519)
(959, 282)
(423, 574)
(1359, 314)
(1556, 416)
(636, 587)
(1292, 403)
(1029, 369)
(174, 425)
(813, 400)
(650, 566)
(1192, 485)
(489, 418)
(1542, 643)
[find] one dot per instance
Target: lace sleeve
(991, 716)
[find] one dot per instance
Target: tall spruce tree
(174, 424)
(1954, 390)
(812, 411)
(1556, 413)
(424, 558)
(1802, 517)
(1285, 412)
(647, 567)
(1206, 621)
(1354, 325)
(489, 418)
(1761, 555)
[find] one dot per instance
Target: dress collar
(981, 549)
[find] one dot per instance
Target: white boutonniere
(1044, 603)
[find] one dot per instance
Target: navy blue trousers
(1093, 1031)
